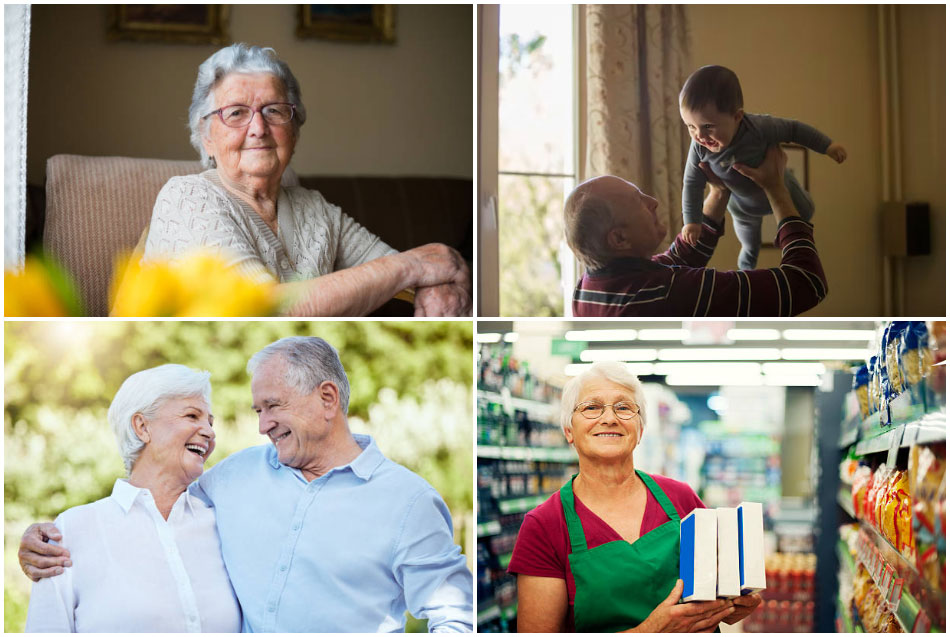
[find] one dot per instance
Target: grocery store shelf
(492, 527)
(881, 442)
(536, 454)
(845, 557)
(930, 428)
(845, 502)
(542, 411)
(520, 505)
(848, 438)
(915, 589)
(488, 614)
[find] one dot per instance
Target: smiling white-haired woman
(147, 558)
(602, 554)
(245, 119)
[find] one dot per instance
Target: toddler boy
(723, 135)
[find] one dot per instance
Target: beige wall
(372, 109)
(818, 64)
(923, 40)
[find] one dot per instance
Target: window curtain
(636, 59)
(16, 33)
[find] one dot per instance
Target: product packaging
(727, 584)
(751, 548)
(698, 555)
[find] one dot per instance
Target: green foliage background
(407, 378)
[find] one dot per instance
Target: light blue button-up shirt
(350, 551)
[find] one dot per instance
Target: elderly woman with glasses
(245, 119)
(148, 557)
(602, 554)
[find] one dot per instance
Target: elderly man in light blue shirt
(319, 531)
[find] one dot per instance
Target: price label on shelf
(895, 597)
(887, 581)
(895, 446)
(922, 623)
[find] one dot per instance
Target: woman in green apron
(612, 528)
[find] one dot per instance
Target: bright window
(536, 151)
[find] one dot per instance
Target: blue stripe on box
(687, 550)
(741, 550)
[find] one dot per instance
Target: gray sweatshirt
(754, 135)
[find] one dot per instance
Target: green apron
(617, 585)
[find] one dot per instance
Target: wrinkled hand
(447, 299)
(435, 264)
(692, 617)
(837, 152)
(39, 558)
(712, 178)
(743, 607)
(691, 232)
(771, 172)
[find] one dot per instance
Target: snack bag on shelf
(892, 339)
(929, 485)
(860, 387)
(871, 513)
(874, 385)
(859, 489)
(903, 518)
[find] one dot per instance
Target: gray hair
(310, 361)
(587, 220)
(144, 393)
(608, 370)
(237, 58)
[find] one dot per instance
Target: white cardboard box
(751, 548)
(698, 555)
(727, 584)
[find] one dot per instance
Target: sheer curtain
(16, 34)
(636, 58)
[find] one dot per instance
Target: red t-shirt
(543, 542)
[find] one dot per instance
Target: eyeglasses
(240, 115)
(623, 410)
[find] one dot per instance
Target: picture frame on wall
(172, 23)
(798, 165)
(361, 23)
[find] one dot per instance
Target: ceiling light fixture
(600, 335)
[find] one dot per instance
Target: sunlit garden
(411, 389)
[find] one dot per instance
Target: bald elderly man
(614, 231)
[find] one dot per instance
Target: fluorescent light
(712, 381)
(714, 370)
(829, 335)
(663, 334)
(637, 369)
(778, 369)
(825, 354)
(717, 403)
(511, 337)
(798, 380)
(488, 337)
(595, 355)
(601, 335)
(745, 334)
(719, 354)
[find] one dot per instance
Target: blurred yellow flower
(41, 288)
(199, 284)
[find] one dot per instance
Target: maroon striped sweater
(678, 283)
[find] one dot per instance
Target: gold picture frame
(367, 23)
(174, 23)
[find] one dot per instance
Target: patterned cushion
(96, 209)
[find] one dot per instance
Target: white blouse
(133, 571)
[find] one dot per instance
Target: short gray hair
(587, 220)
(310, 361)
(608, 370)
(144, 393)
(237, 58)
